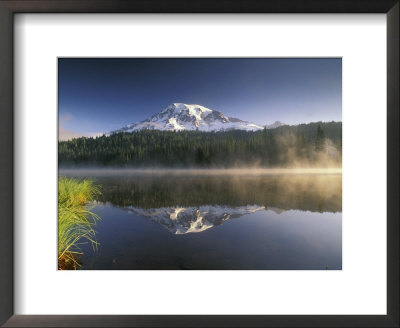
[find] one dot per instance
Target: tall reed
(75, 220)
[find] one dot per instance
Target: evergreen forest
(315, 144)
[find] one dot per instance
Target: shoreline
(167, 171)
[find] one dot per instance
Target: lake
(188, 220)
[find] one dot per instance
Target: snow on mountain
(180, 220)
(274, 125)
(179, 116)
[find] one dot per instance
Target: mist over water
(316, 193)
(97, 171)
(216, 219)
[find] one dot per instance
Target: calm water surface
(186, 221)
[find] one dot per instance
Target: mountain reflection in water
(186, 221)
(180, 220)
(201, 202)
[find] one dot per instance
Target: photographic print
(199, 164)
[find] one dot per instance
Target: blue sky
(97, 95)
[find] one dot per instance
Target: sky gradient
(96, 96)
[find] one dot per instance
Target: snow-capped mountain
(179, 116)
(183, 220)
(274, 125)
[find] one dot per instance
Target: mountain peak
(180, 116)
(274, 125)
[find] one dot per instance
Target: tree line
(286, 145)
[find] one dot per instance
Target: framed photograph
(202, 164)
(192, 188)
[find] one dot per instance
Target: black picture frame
(10, 7)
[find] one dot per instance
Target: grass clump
(75, 220)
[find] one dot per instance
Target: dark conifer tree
(320, 139)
